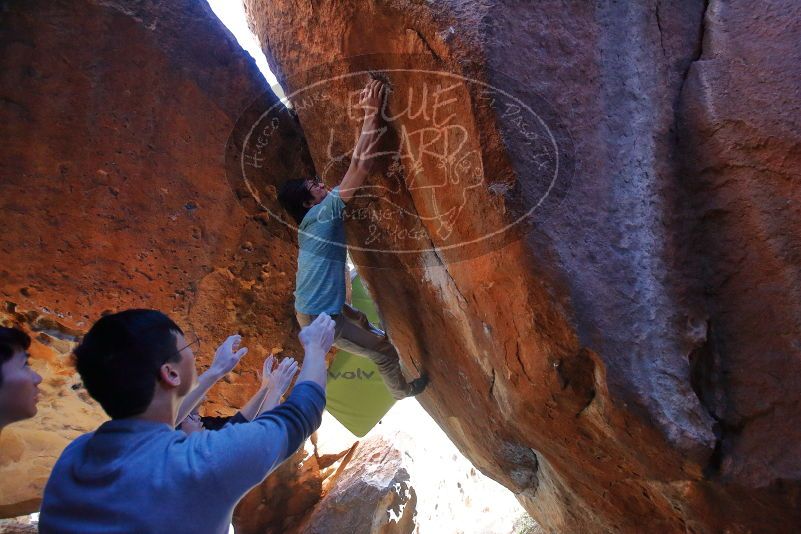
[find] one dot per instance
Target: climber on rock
(320, 283)
(19, 384)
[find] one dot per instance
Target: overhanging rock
(586, 238)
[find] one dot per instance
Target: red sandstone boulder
(585, 235)
(114, 194)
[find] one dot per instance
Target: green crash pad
(356, 395)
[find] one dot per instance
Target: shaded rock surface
(115, 120)
(288, 496)
(18, 526)
(627, 355)
(371, 494)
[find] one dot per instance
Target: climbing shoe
(417, 385)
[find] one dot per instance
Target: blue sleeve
(239, 456)
(334, 203)
(236, 419)
(301, 414)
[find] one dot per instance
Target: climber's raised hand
(366, 151)
(372, 97)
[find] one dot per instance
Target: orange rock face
(583, 227)
(114, 194)
(586, 233)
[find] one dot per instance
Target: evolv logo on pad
(351, 375)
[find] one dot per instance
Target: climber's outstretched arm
(372, 98)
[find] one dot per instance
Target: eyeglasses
(315, 182)
(193, 339)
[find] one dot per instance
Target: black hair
(11, 340)
(292, 196)
(120, 357)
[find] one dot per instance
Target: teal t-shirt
(320, 283)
